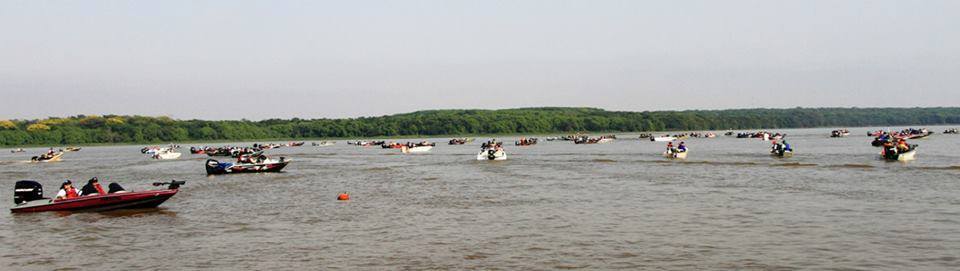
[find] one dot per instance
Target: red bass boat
(28, 197)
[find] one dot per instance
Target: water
(554, 205)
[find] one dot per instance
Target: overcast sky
(312, 59)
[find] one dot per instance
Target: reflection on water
(554, 205)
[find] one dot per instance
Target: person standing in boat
(92, 188)
(67, 191)
(670, 146)
(902, 146)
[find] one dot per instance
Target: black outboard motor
(114, 188)
(174, 184)
(25, 191)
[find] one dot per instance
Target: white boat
(906, 156)
(156, 150)
(604, 140)
(166, 154)
(663, 138)
(47, 157)
(324, 143)
(675, 155)
(417, 149)
(491, 154)
(784, 154)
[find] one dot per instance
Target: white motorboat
(166, 155)
(492, 154)
(663, 138)
(417, 149)
(905, 156)
(675, 155)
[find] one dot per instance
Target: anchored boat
(28, 197)
(492, 155)
(215, 167)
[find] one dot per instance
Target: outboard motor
(25, 191)
(174, 184)
(114, 188)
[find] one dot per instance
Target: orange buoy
(343, 196)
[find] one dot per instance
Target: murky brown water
(555, 205)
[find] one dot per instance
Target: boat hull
(56, 157)
(124, 200)
(494, 156)
(675, 155)
(167, 155)
(786, 154)
(418, 149)
(216, 168)
(907, 156)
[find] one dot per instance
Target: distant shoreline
(141, 130)
(218, 143)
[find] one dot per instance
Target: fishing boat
(526, 142)
(840, 133)
(215, 167)
(672, 154)
(951, 131)
(196, 150)
(597, 140)
(662, 138)
(28, 197)
(17, 150)
(781, 150)
(72, 149)
(323, 143)
(492, 155)
(415, 149)
(151, 150)
(295, 144)
(234, 152)
(166, 155)
(460, 141)
(781, 153)
(47, 157)
(891, 154)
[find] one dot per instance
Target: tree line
(84, 129)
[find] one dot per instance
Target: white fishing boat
(663, 138)
(324, 143)
(153, 151)
(782, 154)
(675, 155)
(905, 156)
(43, 158)
(166, 155)
(492, 155)
(417, 149)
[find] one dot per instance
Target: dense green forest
(140, 129)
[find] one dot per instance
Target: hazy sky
(311, 59)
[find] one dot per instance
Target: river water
(554, 205)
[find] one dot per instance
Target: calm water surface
(555, 205)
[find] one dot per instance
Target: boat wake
(851, 166)
(793, 164)
(599, 160)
